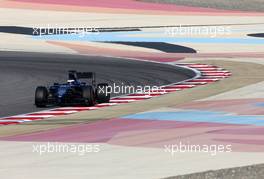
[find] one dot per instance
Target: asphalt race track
(162, 46)
(261, 35)
(21, 72)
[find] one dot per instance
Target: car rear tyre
(102, 91)
(41, 96)
(88, 96)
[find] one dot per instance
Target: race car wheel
(102, 91)
(41, 96)
(88, 96)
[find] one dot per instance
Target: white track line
(33, 116)
(7, 120)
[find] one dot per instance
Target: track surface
(162, 46)
(20, 73)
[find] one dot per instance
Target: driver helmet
(70, 81)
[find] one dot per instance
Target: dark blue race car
(74, 92)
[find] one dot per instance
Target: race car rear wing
(74, 75)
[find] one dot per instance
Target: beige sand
(112, 162)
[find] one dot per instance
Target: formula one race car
(74, 92)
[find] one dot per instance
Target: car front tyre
(41, 96)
